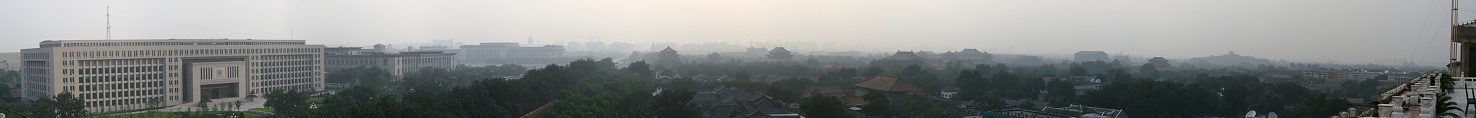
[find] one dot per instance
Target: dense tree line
(1211, 96)
(63, 105)
(464, 92)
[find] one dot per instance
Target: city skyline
(1345, 31)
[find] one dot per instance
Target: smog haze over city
(736, 58)
(1354, 32)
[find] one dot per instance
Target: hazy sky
(1349, 31)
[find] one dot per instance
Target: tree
(714, 57)
(1447, 84)
(872, 71)
(983, 68)
(914, 105)
(287, 103)
(70, 106)
(742, 76)
(676, 104)
(1008, 85)
(44, 107)
(971, 85)
(1445, 106)
(1270, 102)
(204, 102)
(821, 106)
(1058, 88)
(876, 104)
(640, 68)
(4, 90)
(912, 71)
(1148, 69)
(928, 82)
(1078, 71)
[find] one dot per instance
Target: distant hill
(1229, 59)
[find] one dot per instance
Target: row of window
(356, 61)
(114, 70)
(119, 78)
(283, 75)
(285, 63)
(36, 56)
(284, 69)
(176, 43)
(114, 62)
(131, 93)
(288, 57)
(148, 53)
(38, 64)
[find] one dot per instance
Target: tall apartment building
(396, 63)
(118, 75)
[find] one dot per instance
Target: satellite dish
(1271, 115)
(1252, 113)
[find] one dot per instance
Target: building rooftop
(1157, 59)
(903, 56)
(668, 50)
(1092, 52)
(824, 89)
(971, 51)
(888, 83)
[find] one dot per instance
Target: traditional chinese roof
(1158, 59)
(779, 50)
(888, 83)
(824, 89)
(971, 51)
(668, 50)
(779, 53)
(904, 56)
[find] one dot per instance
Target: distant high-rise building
(1091, 56)
(121, 75)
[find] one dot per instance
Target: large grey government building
(119, 75)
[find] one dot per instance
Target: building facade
(508, 52)
(119, 75)
(396, 63)
(10, 61)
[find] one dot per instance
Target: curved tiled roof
(888, 83)
(904, 56)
